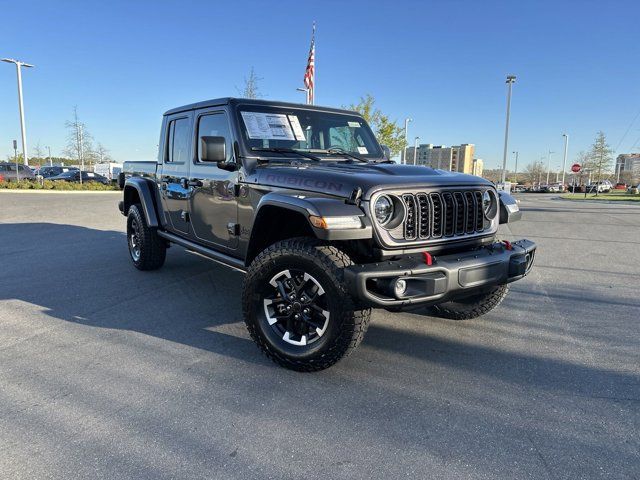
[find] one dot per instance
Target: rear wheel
(473, 306)
(146, 249)
(297, 308)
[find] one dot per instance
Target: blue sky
(441, 63)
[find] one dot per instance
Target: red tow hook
(428, 259)
(507, 244)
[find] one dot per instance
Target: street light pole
(305, 91)
(515, 175)
(510, 80)
(564, 161)
(415, 151)
(80, 151)
(19, 66)
(406, 137)
(549, 165)
(50, 159)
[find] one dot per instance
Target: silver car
(8, 172)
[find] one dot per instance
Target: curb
(607, 202)
(25, 190)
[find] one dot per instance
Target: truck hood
(340, 179)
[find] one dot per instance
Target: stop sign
(575, 168)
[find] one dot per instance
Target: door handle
(186, 183)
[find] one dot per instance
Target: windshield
(309, 131)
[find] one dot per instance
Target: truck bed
(140, 168)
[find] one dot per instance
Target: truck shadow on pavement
(424, 385)
(84, 276)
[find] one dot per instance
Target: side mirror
(213, 149)
(386, 151)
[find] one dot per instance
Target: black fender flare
(319, 207)
(145, 189)
(509, 208)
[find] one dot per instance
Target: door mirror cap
(213, 149)
(386, 151)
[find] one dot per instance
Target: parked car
(600, 187)
(305, 201)
(52, 171)
(8, 172)
(553, 188)
(74, 176)
(519, 189)
(620, 186)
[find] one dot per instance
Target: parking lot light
(19, 66)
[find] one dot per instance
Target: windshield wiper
(285, 150)
(341, 151)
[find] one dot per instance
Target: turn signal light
(335, 223)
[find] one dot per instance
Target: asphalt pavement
(108, 372)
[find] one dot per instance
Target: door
(174, 190)
(213, 202)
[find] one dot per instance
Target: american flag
(310, 72)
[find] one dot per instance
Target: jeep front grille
(441, 214)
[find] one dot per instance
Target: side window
(215, 125)
(178, 150)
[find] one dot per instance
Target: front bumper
(447, 278)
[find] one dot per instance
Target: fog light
(400, 287)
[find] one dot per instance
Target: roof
(250, 101)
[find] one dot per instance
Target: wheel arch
(274, 223)
(139, 190)
(285, 216)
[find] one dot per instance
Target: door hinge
(236, 189)
(233, 229)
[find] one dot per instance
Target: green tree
(600, 156)
(387, 131)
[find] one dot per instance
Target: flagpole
(313, 98)
(310, 72)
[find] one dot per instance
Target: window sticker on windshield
(297, 129)
(363, 150)
(267, 126)
(354, 124)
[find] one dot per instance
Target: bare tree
(533, 172)
(251, 86)
(492, 174)
(79, 140)
(39, 152)
(102, 154)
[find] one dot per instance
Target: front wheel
(473, 306)
(296, 306)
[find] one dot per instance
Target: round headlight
(383, 209)
(489, 205)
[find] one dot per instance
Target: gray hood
(340, 178)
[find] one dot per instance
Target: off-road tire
(152, 248)
(472, 307)
(346, 324)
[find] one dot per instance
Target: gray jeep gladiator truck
(305, 202)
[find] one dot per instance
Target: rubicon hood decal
(341, 178)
